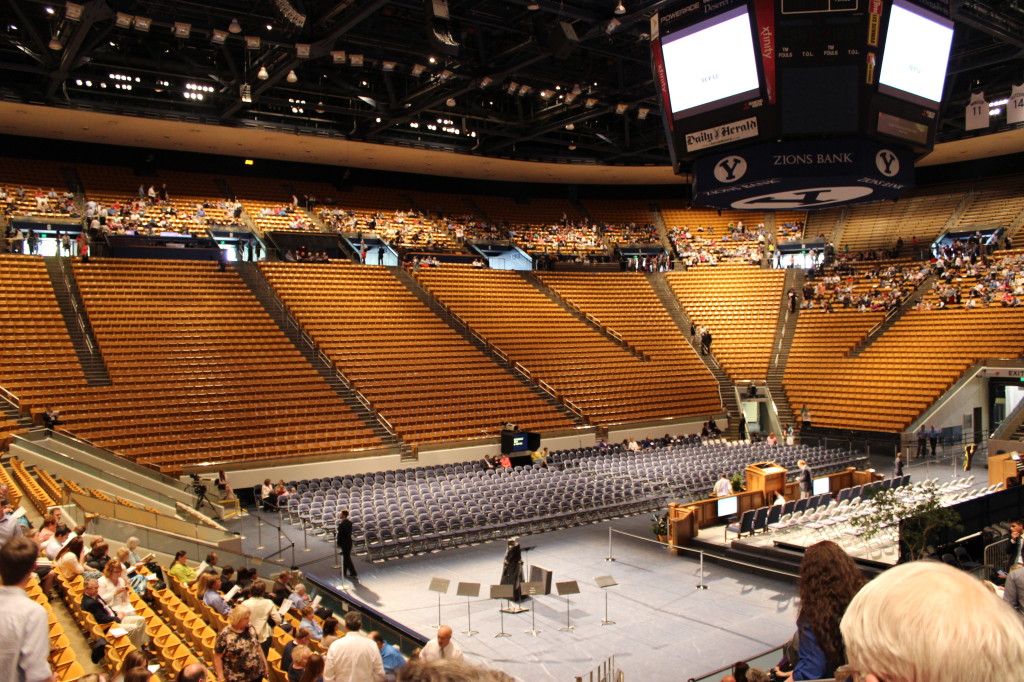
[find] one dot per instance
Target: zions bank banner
(802, 175)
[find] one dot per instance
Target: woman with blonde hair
(114, 589)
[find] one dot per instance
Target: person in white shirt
(354, 657)
(60, 537)
(722, 486)
(441, 647)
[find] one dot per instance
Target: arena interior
(429, 263)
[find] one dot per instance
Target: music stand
(502, 592)
(604, 582)
(468, 590)
(533, 589)
(439, 585)
(564, 590)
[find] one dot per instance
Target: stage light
(589, 104)
(55, 44)
(445, 75)
(246, 92)
(73, 11)
(417, 69)
(547, 94)
(249, 162)
(621, 107)
(143, 23)
(642, 112)
(252, 42)
(450, 102)
(355, 59)
(182, 30)
(302, 50)
(485, 81)
(387, 66)
(620, 8)
(338, 56)
(123, 20)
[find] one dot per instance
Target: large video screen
(916, 53)
(711, 64)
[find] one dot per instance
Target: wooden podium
(1001, 467)
(767, 477)
(683, 524)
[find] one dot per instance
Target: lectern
(768, 477)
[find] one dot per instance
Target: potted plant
(659, 526)
(919, 519)
(736, 481)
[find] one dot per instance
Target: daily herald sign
(723, 134)
(802, 175)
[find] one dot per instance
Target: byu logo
(887, 162)
(730, 169)
(802, 199)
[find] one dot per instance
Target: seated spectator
(97, 557)
(114, 589)
(67, 560)
(330, 632)
(309, 622)
(227, 578)
(282, 587)
(180, 570)
(95, 604)
(299, 598)
(208, 589)
(391, 657)
(136, 580)
(301, 639)
(300, 655)
(926, 621)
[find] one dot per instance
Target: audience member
(330, 630)
(262, 612)
(300, 656)
(389, 655)
(95, 604)
(314, 671)
(448, 670)
(24, 627)
(309, 622)
(194, 672)
(925, 621)
(301, 639)
(180, 570)
(354, 656)
(829, 579)
(1013, 592)
(237, 654)
(441, 646)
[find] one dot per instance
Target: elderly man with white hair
(928, 622)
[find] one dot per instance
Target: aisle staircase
(726, 387)
(418, 290)
(784, 333)
(264, 293)
(892, 317)
(72, 309)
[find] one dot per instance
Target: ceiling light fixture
(338, 56)
(246, 92)
(355, 59)
(263, 73)
(450, 102)
(589, 104)
(55, 44)
(417, 69)
(182, 30)
(73, 11)
(218, 37)
(302, 50)
(533, 6)
(123, 20)
(620, 8)
(388, 66)
(235, 27)
(291, 77)
(642, 112)
(621, 107)
(252, 42)
(143, 23)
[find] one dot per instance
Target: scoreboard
(746, 83)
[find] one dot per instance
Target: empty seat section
(589, 369)
(429, 382)
(200, 372)
(740, 305)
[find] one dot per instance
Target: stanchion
(293, 554)
(305, 539)
(280, 550)
(701, 585)
(259, 531)
(337, 563)
(609, 557)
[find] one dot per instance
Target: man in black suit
(93, 603)
(345, 543)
